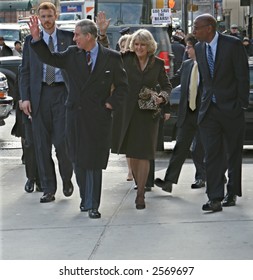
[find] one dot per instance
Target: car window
(10, 34)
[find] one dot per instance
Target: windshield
(10, 34)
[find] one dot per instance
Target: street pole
(184, 9)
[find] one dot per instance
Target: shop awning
(15, 6)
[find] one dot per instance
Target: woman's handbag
(147, 99)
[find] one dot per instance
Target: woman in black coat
(139, 129)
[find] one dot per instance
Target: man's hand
(102, 22)
(34, 28)
(26, 107)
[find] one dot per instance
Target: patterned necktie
(193, 89)
(50, 70)
(210, 60)
(89, 61)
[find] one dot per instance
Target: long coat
(88, 122)
(139, 129)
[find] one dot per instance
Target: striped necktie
(89, 61)
(210, 60)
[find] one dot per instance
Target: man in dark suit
(187, 118)
(4, 49)
(97, 84)
(43, 102)
(224, 71)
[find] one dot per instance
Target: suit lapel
(61, 41)
(218, 57)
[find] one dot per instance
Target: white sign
(160, 16)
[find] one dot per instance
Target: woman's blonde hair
(123, 39)
(145, 37)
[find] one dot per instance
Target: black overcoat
(139, 129)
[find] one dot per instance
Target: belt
(54, 84)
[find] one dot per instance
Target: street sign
(160, 16)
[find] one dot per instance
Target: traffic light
(171, 4)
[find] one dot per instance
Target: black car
(160, 33)
(6, 102)
(9, 67)
(170, 129)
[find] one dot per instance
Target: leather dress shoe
(165, 185)
(229, 200)
(212, 205)
(68, 188)
(82, 207)
(29, 186)
(47, 197)
(198, 184)
(94, 214)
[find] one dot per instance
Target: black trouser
(49, 129)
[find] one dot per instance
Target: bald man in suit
(224, 71)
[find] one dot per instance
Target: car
(6, 102)
(9, 67)
(160, 33)
(14, 32)
(67, 18)
(170, 128)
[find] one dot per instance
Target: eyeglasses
(201, 26)
(188, 47)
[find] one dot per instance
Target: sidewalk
(172, 227)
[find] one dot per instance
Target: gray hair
(88, 26)
(144, 36)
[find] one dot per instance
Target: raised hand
(34, 27)
(102, 22)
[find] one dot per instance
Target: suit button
(79, 108)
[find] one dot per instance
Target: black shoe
(198, 184)
(212, 205)
(68, 188)
(148, 189)
(29, 186)
(47, 197)
(82, 207)
(94, 214)
(229, 200)
(165, 185)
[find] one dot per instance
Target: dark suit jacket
(32, 68)
(230, 83)
(88, 120)
(185, 74)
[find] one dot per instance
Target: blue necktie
(211, 66)
(210, 60)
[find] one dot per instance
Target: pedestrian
(224, 71)
(123, 47)
(248, 46)
(4, 49)
(43, 100)
(187, 117)
(140, 127)
(17, 49)
(97, 84)
(234, 31)
(23, 129)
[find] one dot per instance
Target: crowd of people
(83, 98)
